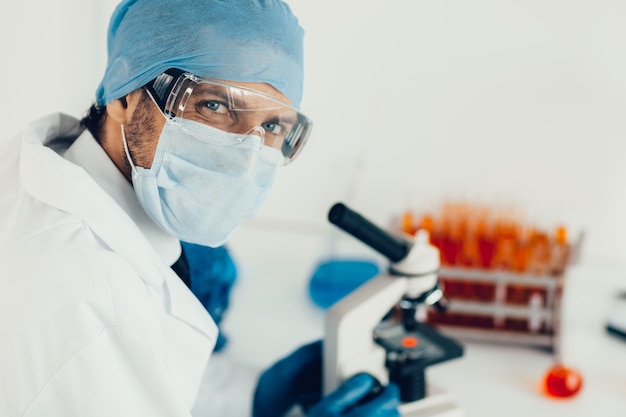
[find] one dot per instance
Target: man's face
(147, 121)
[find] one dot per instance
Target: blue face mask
(203, 183)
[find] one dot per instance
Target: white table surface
(271, 314)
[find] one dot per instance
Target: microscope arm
(349, 346)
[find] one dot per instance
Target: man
(197, 107)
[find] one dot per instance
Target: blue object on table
(212, 274)
(616, 321)
(334, 279)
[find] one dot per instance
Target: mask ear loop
(133, 168)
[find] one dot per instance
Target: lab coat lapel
(189, 308)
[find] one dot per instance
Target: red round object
(561, 381)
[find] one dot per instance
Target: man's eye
(269, 126)
(273, 127)
(214, 105)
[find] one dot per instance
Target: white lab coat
(93, 322)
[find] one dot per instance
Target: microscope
(376, 328)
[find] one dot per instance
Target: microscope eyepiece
(348, 220)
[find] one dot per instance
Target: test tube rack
(500, 306)
(504, 279)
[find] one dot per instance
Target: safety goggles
(234, 109)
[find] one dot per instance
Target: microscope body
(374, 329)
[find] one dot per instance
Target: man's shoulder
(56, 264)
(61, 280)
(30, 226)
(21, 215)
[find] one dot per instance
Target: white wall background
(519, 101)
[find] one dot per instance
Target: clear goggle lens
(234, 109)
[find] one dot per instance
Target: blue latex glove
(212, 274)
(349, 400)
(297, 380)
(293, 380)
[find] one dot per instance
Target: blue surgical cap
(239, 40)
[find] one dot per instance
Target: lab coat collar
(53, 180)
(87, 153)
(49, 178)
